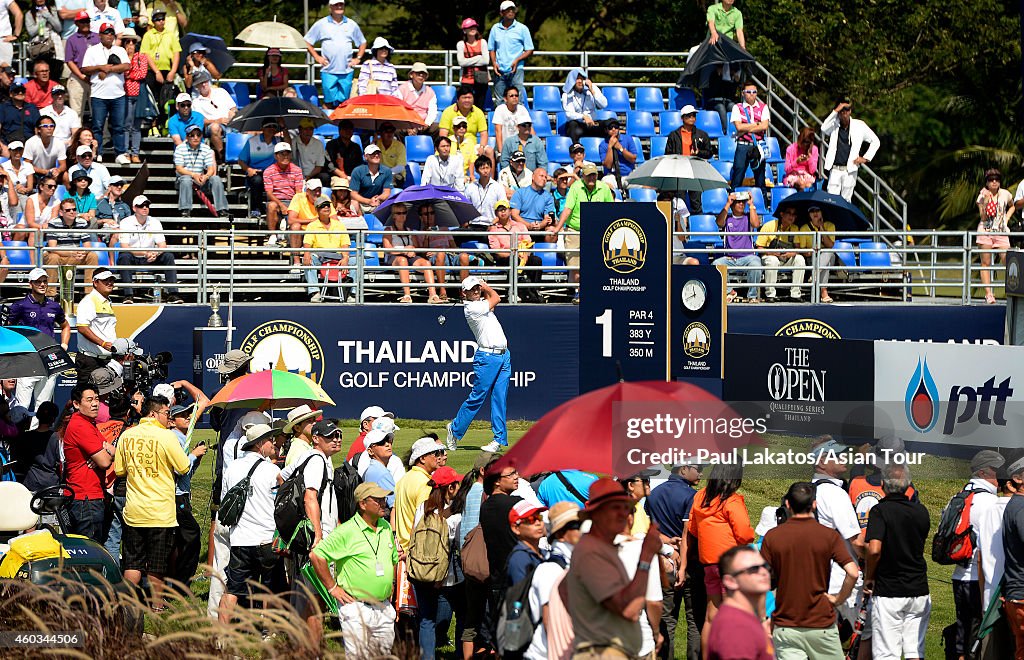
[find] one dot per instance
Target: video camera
(142, 371)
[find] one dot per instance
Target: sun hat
(603, 491)
(105, 380)
(233, 361)
(339, 183)
(370, 489)
(560, 515)
(299, 415)
(381, 42)
(256, 434)
(421, 448)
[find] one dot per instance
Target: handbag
(481, 77)
(41, 47)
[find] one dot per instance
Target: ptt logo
(985, 404)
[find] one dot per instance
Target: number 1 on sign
(605, 321)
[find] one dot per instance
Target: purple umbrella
(451, 208)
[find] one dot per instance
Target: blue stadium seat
(726, 148)
(560, 120)
(241, 94)
(308, 93)
(19, 259)
(548, 253)
(541, 123)
(756, 198)
(329, 131)
(413, 173)
(547, 98)
(638, 149)
(445, 96)
(593, 147)
(643, 194)
(774, 151)
(418, 148)
(680, 96)
(640, 124)
(658, 144)
(649, 99)
(780, 193)
(233, 146)
(724, 168)
(875, 255)
(705, 223)
(669, 121)
(106, 257)
(61, 191)
(713, 201)
(552, 166)
(373, 223)
(709, 122)
(558, 149)
(844, 251)
(618, 99)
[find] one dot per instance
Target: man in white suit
(846, 138)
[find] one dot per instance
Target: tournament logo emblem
(808, 328)
(922, 400)
(624, 246)
(285, 346)
(696, 340)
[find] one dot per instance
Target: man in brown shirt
(801, 552)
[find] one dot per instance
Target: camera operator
(97, 326)
(38, 311)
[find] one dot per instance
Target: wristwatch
(643, 566)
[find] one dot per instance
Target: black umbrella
(218, 55)
(291, 110)
(844, 215)
(701, 64)
(26, 352)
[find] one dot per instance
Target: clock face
(694, 295)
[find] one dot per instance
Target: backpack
(428, 557)
(233, 503)
(474, 555)
(290, 504)
(346, 478)
(516, 622)
(955, 539)
(782, 513)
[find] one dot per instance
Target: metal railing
(926, 266)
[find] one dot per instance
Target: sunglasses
(48, 185)
(142, 206)
(750, 91)
(532, 520)
(752, 570)
(47, 126)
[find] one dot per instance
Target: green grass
(761, 488)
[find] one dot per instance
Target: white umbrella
(676, 173)
(272, 35)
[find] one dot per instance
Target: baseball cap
(371, 149)
(17, 144)
(385, 424)
(418, 67)
(273, 51)
(471, 282)
(197, 46)
(83, 149)
(375, 437)
(768, 521)
(194, 128)
(166, 390)
(201, 77)
(35, 274)
(422, 447)
(337, 2)
(445, 476)
(501, 203)
(577, 147)
(518, 155)
(374, 412)
(103, 274)
(824, 448)
(524, 509)
(282, 146)
(183, 98)
(314, 184)
(17, 87)
(687, 110)
(140, 200)
(325, 428)
(560, 515)
(369, 488)
(268, 122)
(322, 201)
(307, 123)
(459, 119)
(612, 123)
(233, 360)
(58, 89)
(588, 169)
(508, 4)
(986, 458)
(157, 15)
(82, 15)
(106, 27)
(525, 122)
(179, 410)
(116, 180)
(814, 207)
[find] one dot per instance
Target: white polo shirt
(135, 236)
(835, 510)
(256, 526)
(215, 106)
(484, 324)
(984, 496)
(95, 313)
(112, 85)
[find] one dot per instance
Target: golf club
(442, 318)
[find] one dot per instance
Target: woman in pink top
(473, 59)
(995, 206)
(802, 161)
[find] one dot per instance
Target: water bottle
(158, 292)
(513, 623)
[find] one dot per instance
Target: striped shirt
(378, 78)
(283, 184)
(194, 160)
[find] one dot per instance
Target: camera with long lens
(141, 372)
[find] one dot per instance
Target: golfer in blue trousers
(492, 366)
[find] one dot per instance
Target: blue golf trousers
(492, 373)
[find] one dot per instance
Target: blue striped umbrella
(26, 352)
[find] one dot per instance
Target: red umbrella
(369, 111)
(623, 428)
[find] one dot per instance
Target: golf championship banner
(952, 394)
(802, 385)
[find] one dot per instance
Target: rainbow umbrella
(280, 389)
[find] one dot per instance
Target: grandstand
(889, 261)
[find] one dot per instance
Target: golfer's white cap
(471, 282)
(83, 149)
(140, 200)
(35, 274)
(183, 98)
(282, 146)
(687, 110)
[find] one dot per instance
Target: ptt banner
(951, 393)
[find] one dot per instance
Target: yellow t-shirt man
(411, 490)
(161, 46)
(807, 242)
(332, 237)
(150, 455)
(771, 230)
(303, 207)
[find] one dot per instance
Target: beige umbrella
(272, 35)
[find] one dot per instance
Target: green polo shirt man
(364, 554)
(586, 189)
(726, 20)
